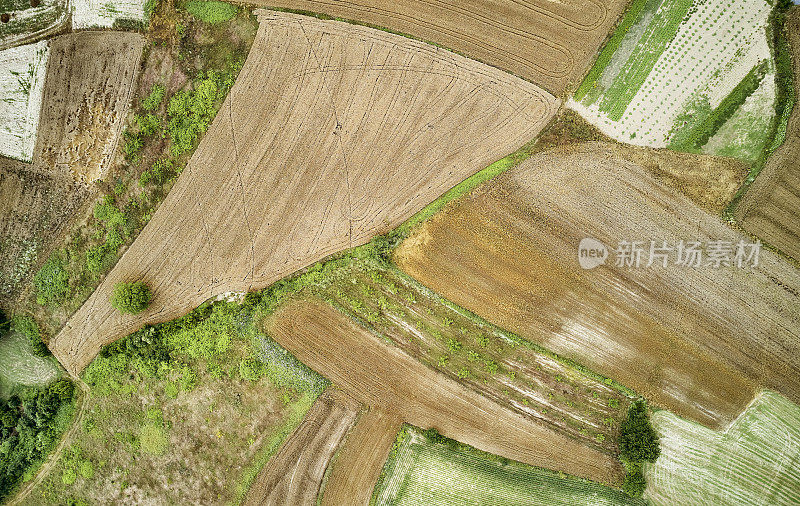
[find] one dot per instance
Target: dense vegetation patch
(131, 298)
(638, 443)
(30, 424)
(211, 11)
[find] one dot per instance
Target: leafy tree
(131, 298)
(638, 440)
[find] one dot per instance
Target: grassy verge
(784, 101)
(183, 400)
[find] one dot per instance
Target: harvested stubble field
(91, 78)
(685, 338)
(771, 207)
(295, 474)
(381, 375)
(753, 462)
(357, 465)
(332, 133)
(423, 470)
(551, 44)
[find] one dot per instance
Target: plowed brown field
(380, 375)
(294, 475)
(332, 133)
(552, 44)
(358, 465)
(696, 341)
(91, 77)
(771, 207)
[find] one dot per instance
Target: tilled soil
(294, 475)
(698, 341)
(380, 375)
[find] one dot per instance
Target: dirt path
(549, 43)
(356, 468)
(382, 376)
(333, 133)
(697, 341)
(52, 459)
(771, 207)
(294, 475)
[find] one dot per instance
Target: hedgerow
(52, 281)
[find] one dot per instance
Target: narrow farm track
(356, 468)
(294, 475)
(382, 376)
(332, 133)
(548, 43)
(771, 207)
(697, 341)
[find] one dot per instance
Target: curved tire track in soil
(384, 377)
(412, 121)
(549, 43)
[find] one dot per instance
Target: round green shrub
(131, 298)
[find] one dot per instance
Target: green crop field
(444, 472)
(756, 461)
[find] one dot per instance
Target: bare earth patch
(91, 77)
(333, 133)
(357, 466)
(549, 43)
(698, 341)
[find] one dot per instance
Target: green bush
(149, 124)
(131, 298)
(26, 326)
(634, 483)
(189, 113)
(211, 11)
(153, 100)
(638, 441)
(51, 282)
(251, 369)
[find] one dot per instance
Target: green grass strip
(631, 16)
(706, 129)
(659, 34)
